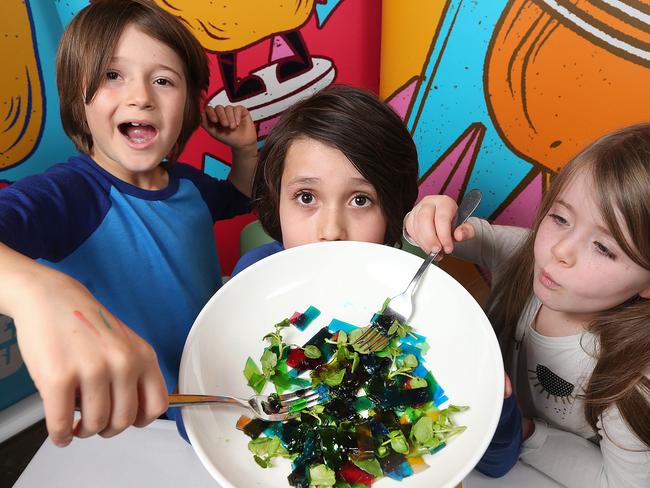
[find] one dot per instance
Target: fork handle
(180, 400)
(466, 208)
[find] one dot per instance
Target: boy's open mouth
(138, 133)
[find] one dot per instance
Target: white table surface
(20, 415)
(157, 456)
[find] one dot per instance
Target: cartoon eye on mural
(21, 110)
(228, 26)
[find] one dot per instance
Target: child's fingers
(442, 221)
(124, 395)
(228, 119)
(432, 230)
(226, 116)
(58, 403)
(419, 227)
(210, 115)
(94, 401)
(508, 387)
(240, 113)
(464, 232)
(152, 396)
(124, 390)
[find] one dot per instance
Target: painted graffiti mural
(498, 94)
(511, 90)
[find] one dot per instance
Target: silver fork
(266, 407)
(400, 307)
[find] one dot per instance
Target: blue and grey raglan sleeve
(49, 215)
(222, 197)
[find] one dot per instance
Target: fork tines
(376, 336)
(294, 402)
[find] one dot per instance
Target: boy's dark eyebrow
(303, 180)
(159, 66)
(306, 180)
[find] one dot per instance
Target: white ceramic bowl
(348, 281)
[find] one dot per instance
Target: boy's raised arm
(234, 126)
(78, 353)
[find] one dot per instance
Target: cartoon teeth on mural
(229, 26)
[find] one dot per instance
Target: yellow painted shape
(19, 81)
(230, 25)
(407, 33)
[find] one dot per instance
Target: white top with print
(548, 375)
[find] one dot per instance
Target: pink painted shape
(265, 126)
(456, 164)
(280, 49)
(521, 212)
(462, 170)
(400, 101)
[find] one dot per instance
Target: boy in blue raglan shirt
(107, 259)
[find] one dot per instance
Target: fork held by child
(400, 307)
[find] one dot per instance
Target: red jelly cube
(354, 475)
(296, 359)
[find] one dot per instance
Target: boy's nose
(139, 95)
(331, 225)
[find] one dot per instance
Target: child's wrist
(247, 150)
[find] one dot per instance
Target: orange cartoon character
(228, 26)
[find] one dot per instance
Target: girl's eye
(361, 201)
(162, 82)
(558, 219)
(112, 75)
(600, 248)
(305, 198)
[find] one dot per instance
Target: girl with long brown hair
(570, 305)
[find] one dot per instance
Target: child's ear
(645, 293)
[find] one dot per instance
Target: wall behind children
(498, 94)
(264, 54)
(501, 94)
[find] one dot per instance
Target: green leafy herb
(312, 352)
(269, 360)
(417, 382)
(398, 441)
(333, 378)
(275, 337)
(369, 466)
(266, 448)
(404, 366)
(320, 475)
(256, 380)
